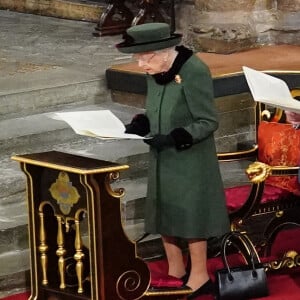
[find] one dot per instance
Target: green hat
(148, 37)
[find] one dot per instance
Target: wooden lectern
(78, 247)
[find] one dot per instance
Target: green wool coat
(185, 196)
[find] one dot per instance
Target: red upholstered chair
(273, 190)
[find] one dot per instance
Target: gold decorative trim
(118, 193)
(64, 193)
(61, 252)
(127, 284)
(32, 233)
(258, 172)
(237, 155)
(167, 292)
(96, 284)
(69, 169)
(295, 92)
(290, 260)
(266, 113)
(231, 74)
(43, 247)
(79, 255)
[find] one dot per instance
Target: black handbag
(242, 282)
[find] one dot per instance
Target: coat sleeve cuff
(183, 139)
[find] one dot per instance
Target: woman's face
(152, 62)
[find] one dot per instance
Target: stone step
(14, 261)
(44, 97)
(132, 203)
(32, 133)
(34, 87)
(58, 63)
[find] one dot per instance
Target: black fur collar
(183, 55)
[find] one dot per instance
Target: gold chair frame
(283, 212)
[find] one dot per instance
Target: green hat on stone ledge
(148, 37)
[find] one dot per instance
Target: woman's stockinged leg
(174, 257)
(198, 254)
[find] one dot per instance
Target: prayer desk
(78, 247)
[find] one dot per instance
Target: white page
(270, 90)
(98, 123)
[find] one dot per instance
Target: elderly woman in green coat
(185, 196)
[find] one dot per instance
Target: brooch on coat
(178, 79)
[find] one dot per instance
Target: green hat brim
(174, 40)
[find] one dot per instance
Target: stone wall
(221, 26)
(224, 26)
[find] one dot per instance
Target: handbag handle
(248, 246)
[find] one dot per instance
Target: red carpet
(281, 286)
(23, 296)
(284, 285)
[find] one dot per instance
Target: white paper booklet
(270, 90)
(98, 123)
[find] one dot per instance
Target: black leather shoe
(185, 278)
(205, 289)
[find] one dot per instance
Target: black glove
(183, 139)
(159, 141)
(139, 125)
(178, 137)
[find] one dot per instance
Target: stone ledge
(72, 9)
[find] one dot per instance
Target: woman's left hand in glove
(178, 137)
(159, 141)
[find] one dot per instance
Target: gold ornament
(64, 193)
(178, 79)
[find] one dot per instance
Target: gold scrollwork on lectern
(61, 252)
(79, 255)
(129, 284)
(43, 246)
(64, 193)
(117, 193)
